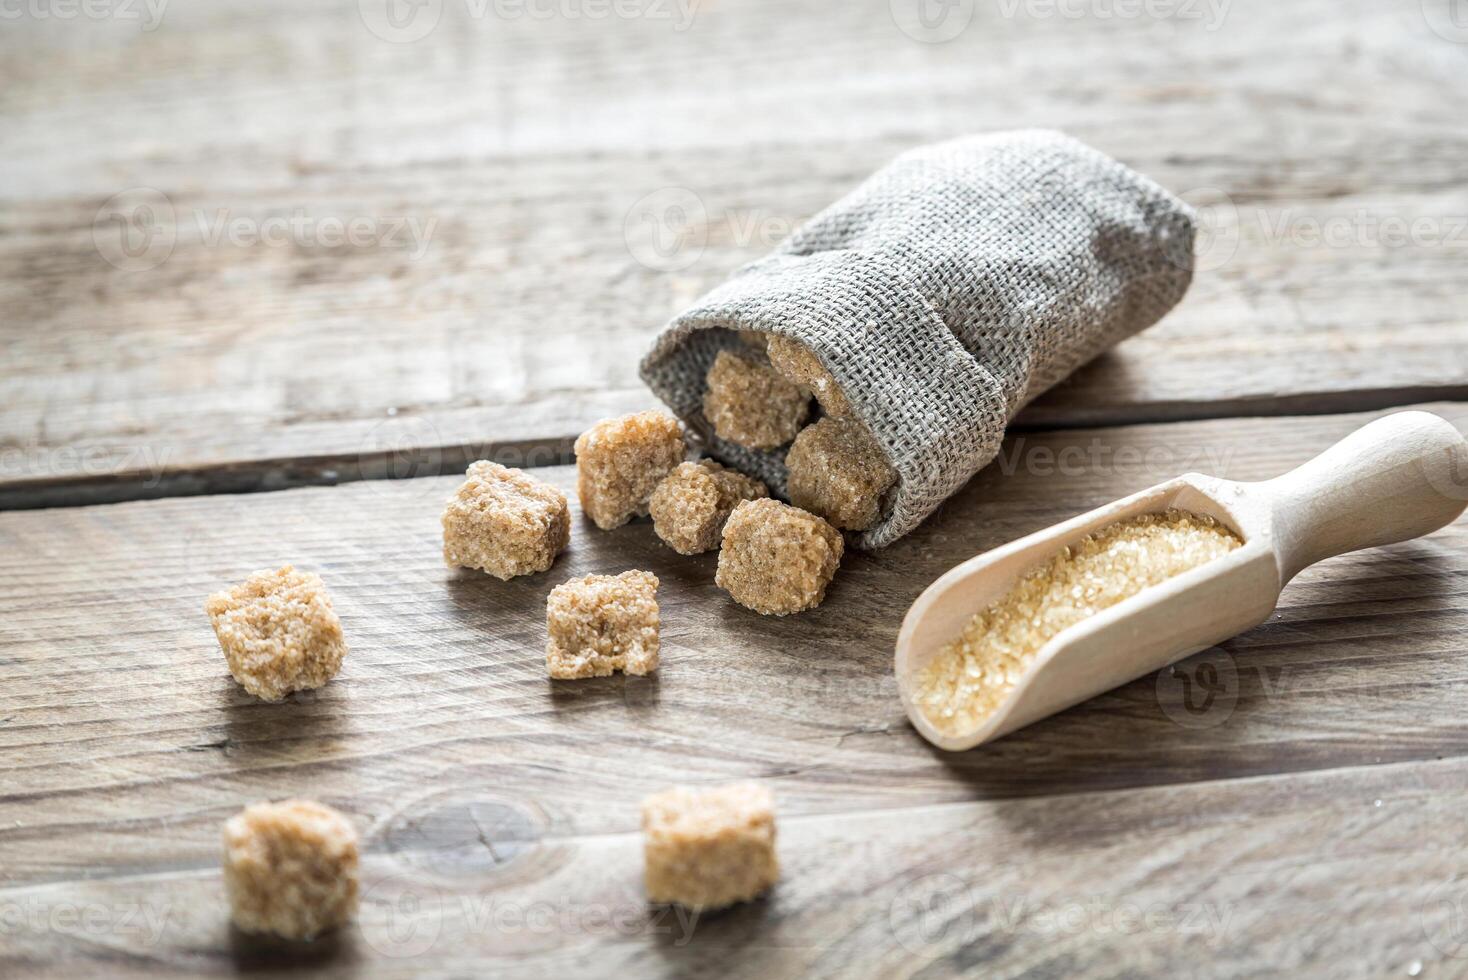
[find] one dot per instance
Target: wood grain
(1323, 140)
(123, 745)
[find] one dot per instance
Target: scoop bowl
(1400, 477)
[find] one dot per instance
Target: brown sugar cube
(749, 404)
(838, 471)
(290, 868)
(796, 362)
(777, 559)
(504, 522)
(601, 623)
(619, 462)
(692, 503)
(278, 632)
(706, 850)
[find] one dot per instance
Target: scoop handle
(1398, 478)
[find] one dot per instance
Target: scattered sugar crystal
(838, 471)
(692, 503)
(619, 462)
(777, 559)
(290, 868)
(709, 849)
(601, 623)
(504, 522)
(748, 403)
(968, 679)
(278, 632)
(798, 363)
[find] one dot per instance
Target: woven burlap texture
(943, 294)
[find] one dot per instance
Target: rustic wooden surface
(1323, 139)
(523, 182)
(1308, 818)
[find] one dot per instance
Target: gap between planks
(414, 461)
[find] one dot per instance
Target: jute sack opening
(943, 294)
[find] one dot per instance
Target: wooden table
(286, 247)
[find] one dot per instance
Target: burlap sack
(943, 294)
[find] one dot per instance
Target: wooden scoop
(1400, 477)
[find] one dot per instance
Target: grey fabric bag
(943, 294)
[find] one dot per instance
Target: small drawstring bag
(943, 294)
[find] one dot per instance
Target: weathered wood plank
(1345, 873)
(525, 150)
(123, 744)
